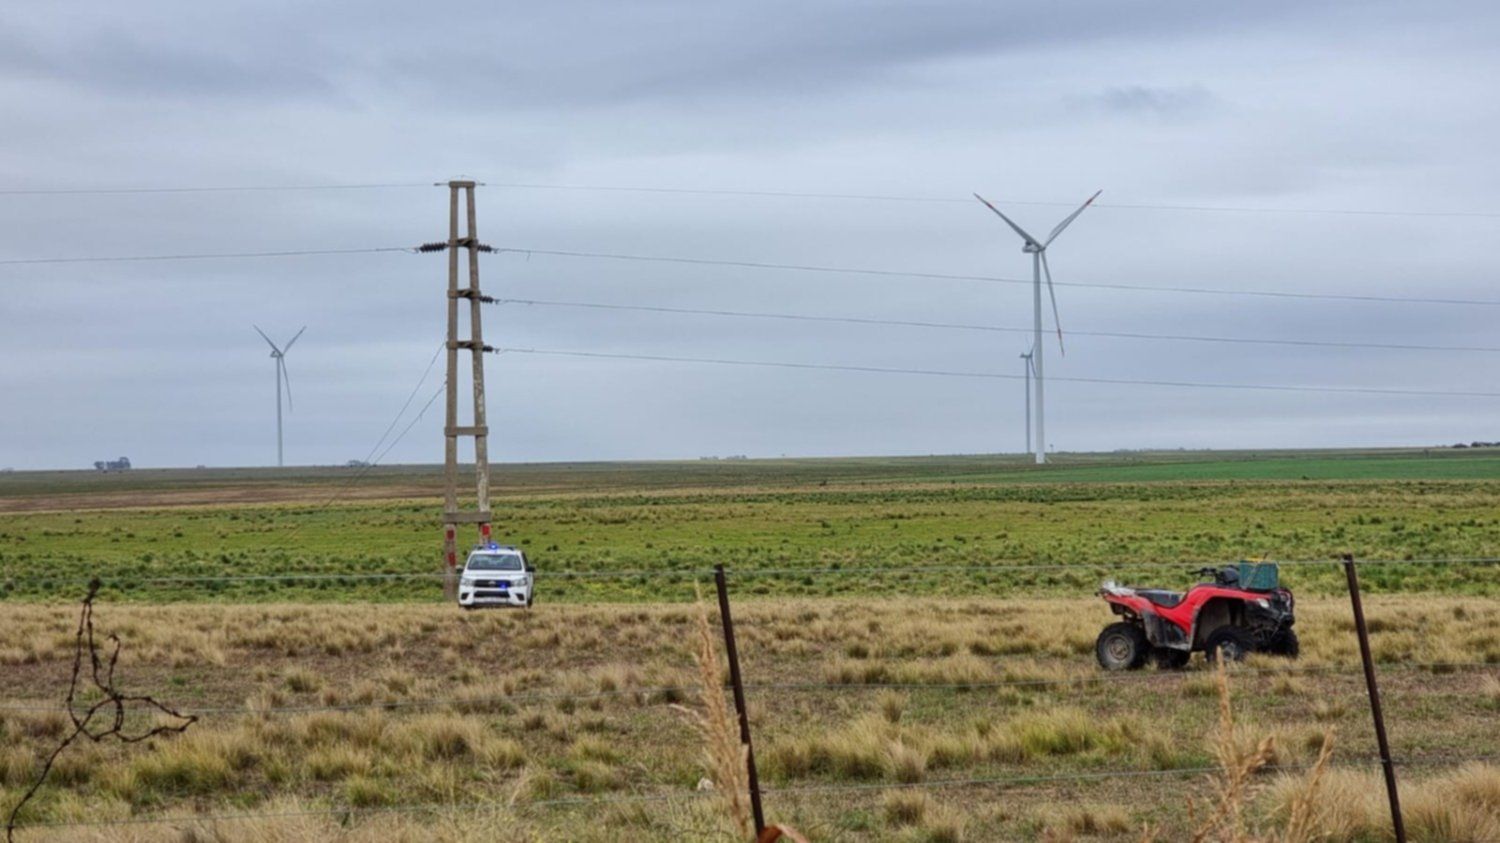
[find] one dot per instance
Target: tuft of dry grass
(1087, 820)
(725, 754)
(1238, 760)
(905, 807)
(1461, 805)
(892, 705)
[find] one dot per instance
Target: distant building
(121, 464)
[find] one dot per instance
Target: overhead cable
(1357, 390)
(776, 194)
(991, 279)
(908, 323)
(203, 256)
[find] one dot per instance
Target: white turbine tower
(1029, 370)
(279, 355)
(1038, 251)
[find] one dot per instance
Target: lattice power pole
(452, 430)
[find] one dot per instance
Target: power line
(955, 200)
(837, 270)
(1358, 390)
(370, 457)
(411, 424)
(776, 194)
(993, 328)
(110, 191)
(991, 279)
(203, 256)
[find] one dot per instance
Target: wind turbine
(1029, 369)
(279, 355)
(1038, 251)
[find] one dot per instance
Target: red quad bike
(1240, 609)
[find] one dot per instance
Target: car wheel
(1284, 643)
(1121, 646)
(1168, 658)
(1230, 642)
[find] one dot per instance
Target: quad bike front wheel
(1284, 643)
(1121, 646)
(1231, 643)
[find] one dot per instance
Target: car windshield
(495, 562)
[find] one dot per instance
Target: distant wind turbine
(1038, 251)
(1029, 370)
(279, 355)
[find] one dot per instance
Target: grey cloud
(1156, 102)
(1175, 104)
(119, 62)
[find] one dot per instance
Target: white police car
(496, 575)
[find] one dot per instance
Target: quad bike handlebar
(1220, 576)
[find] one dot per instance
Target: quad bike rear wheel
(1231, 642)
(1121, 646)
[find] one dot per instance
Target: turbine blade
(1052, 294)
(266, 338)
(1073, 216)
(292, 340)
(1016, 228)
(286, 380)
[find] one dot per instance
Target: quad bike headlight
(1263, 603)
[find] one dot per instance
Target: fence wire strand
(1014, 782)
(1095, 569)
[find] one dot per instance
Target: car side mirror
(530, 568)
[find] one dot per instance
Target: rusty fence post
(739, 697)
(1387, 765)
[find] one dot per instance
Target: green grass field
(1105, 514)
(872, 676)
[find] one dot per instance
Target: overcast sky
(1271, 105)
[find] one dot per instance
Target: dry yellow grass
(493, 729)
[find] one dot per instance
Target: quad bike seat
(1160, 596)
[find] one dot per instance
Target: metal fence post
(739, 697)
(1386, 764)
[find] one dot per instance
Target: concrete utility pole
(452, 515)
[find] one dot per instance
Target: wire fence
(807, 789)
(669, 694)
(740, 573)
(679, 693)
